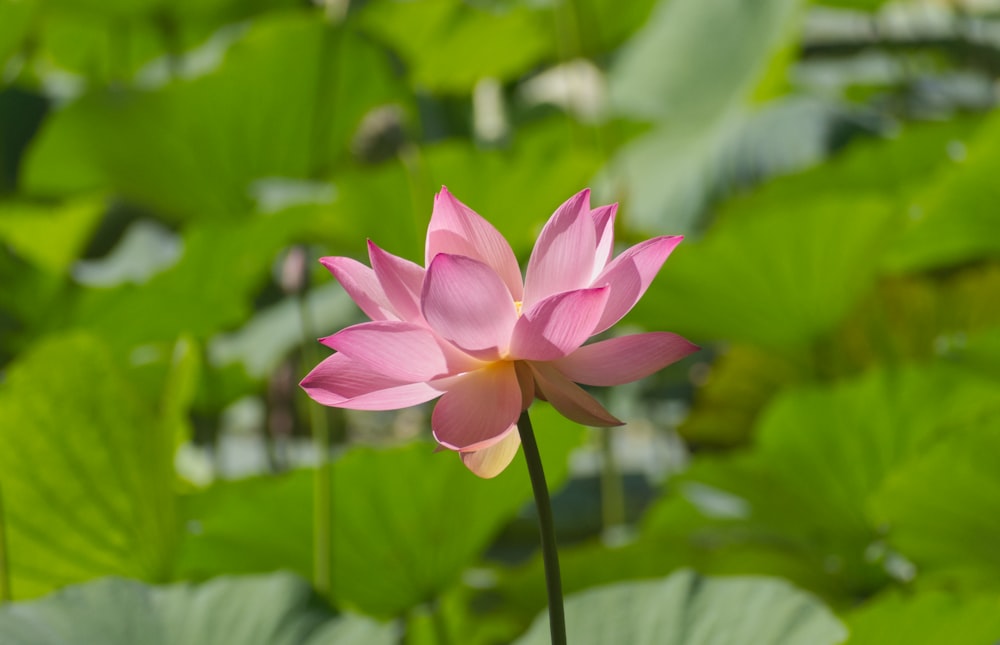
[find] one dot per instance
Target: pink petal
(570, 399)
(478, 408)
(563, 257)
(604, 227)
(630, 274)
(490, 462)
(362, 286)
(342, 382)
(402, 351)
(400, 279)
(466, 302)
(456, 229)
(558, 325)
(624, 359)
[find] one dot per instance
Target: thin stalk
(322, 478)
(612, 486)
(5, 593)
(546, 529)
(440, 627)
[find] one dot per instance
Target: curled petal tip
(490, 462)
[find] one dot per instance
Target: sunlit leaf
(268, 110)
(941, 509)
(772, 278)
(449, 45)
(926, 618)
(954, 219)
(691, 610)
(86, 470)
(49, 236)
(277, 609)
(820, 456)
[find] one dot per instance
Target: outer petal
(490, 462)
(478, 408)
(342, 382)
(563, 257)
(466, 302)
(558, 325)
(362, 286)
(402, 351)
(624, 359)
(570, 399)
(630, 274)
(456, 229)
(400, 279)
(604, 228)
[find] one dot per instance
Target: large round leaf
(954, 218)
(821, 455)
(687, 609)
(942, 508)
(86, 470)
(278, 609)
(276, 106)
(772, 278)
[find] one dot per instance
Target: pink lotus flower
(468, 330)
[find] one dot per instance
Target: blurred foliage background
(170, 171)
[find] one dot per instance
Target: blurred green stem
(612, 488)
(322, 479)
(5, 593)
(547, 529)
(440, 627)
(568, 36)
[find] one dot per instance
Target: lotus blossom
(468, 330)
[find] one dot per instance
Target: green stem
(5, 594)
(322, 478)
(440, 627)
(546, 527)
(612, 486)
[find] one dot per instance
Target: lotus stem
(546, 529)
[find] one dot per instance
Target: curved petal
(624, 359)
(563, 257)
(604, 228)
(466, 302)
(490, 462)
(557, 325)
(402, 351)
(630, 274)
(400, 279)
(478, 408)
(362, 286)
(456, 229)
(570, 399)
(342, 382)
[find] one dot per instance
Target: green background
(825, 470)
